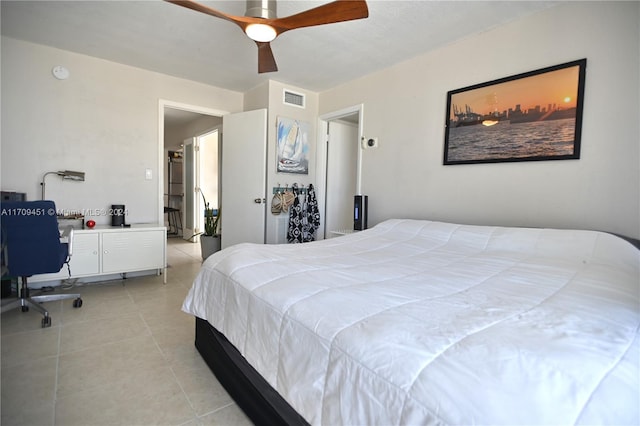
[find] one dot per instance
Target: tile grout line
(231, 404)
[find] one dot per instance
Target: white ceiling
(170, 39)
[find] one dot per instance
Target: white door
(342, 159)
(191, 203)
(243, 180)
(200, 177)
(208, 168)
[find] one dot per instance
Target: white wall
(174, 136)
(257, 98)
(309, 114)
(405, 107)
(103, 120)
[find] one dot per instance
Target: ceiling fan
(261, 24)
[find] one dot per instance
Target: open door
(209, 169)
(200, 177)
(243, 178)
(191, 204)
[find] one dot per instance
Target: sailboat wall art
(293, 146)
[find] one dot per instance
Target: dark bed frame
(634, 241)
(259, 401)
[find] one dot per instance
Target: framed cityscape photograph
(526, 117)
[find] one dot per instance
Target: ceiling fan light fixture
(260, 32)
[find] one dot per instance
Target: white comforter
(418, 322)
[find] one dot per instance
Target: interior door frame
(321, 155)
(162, 104)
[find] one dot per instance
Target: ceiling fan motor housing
(261, 9)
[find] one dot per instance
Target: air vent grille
(293, 98)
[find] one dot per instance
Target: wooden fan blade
(266, 61)
(337, 11)
(241, 21)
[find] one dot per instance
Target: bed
(422, 322)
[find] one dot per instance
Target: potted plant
(210, 238)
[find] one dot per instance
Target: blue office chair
(31, 245)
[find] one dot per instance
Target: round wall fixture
(60, 72)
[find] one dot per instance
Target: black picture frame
(533, 116)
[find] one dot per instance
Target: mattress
(421, 322)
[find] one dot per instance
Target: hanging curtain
(312, 213)
(296, 219)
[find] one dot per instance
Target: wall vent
(293, 98)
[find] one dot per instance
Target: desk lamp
(65, 174)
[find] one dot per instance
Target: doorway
(201, 181)
(339, 168)
(178, 122)
(342, 159)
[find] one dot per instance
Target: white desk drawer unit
(114, 250)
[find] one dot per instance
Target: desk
(106, 250)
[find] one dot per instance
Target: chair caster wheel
(25, 309)
(77, 303)
(46, 322)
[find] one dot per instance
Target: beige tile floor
(126, 357)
